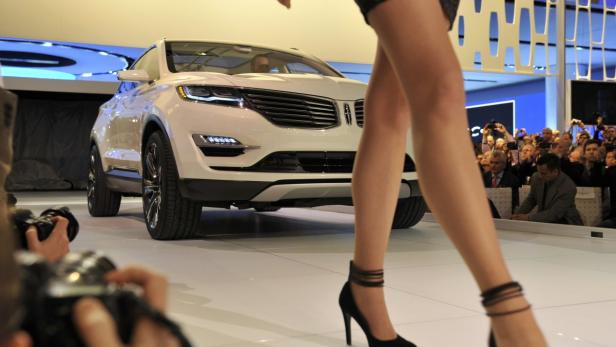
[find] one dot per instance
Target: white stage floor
(272, 279)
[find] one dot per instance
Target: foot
(371, 304)
(507, 328)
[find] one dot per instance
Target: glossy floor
(272, 279)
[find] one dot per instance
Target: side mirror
(134, 76)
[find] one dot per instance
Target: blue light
(23, 72)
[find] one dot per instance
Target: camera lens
(73, 225)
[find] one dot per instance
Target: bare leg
(376, 183)
(413, 37)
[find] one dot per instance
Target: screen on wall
(587, 98)
(480, 115)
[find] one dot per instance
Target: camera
(23, 219)
(49, 292)
(491, 125)
(512, 146)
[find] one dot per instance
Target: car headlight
(212, 95)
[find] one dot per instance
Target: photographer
(599, 128)
(57, 244)
(92, 321)
(525, 167)
(494, 133)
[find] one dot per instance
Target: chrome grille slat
(293, 110)
(260, 104)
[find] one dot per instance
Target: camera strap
(159, 317)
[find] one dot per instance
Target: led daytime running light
(212, 95)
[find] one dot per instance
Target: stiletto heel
(350, 310)
(347, 327)
(497, 295)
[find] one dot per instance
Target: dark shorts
(450, 7)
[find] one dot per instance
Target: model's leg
(414, 37)
(376, 184)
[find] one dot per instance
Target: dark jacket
(609, 180)
(508, 180)
(593, 176)
(523, 170)
(559, 205)
(573, 170)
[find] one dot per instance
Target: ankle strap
(365, 278)
(495, 295)
(502, 293)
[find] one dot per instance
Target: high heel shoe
(497, 295)
(350, 310)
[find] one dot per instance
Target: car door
(132, 109)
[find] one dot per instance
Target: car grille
(308, 162)
(359, 113)
(293, 110)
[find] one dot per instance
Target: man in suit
(552, 192)
(592, 174)
(498, 177)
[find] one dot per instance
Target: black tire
(102, 202)
(409, 212)
(168, 215)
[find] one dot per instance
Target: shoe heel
(347, 327)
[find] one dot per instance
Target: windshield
(235, 59)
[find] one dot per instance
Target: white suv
(198, 124)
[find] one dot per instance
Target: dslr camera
(44, 224)
(49, 292)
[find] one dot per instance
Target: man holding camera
(491, 133)
(92, 320)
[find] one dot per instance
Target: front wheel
(409, 212)
(168, 215)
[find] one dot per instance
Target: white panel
(477, 37)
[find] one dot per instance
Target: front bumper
(278, 191)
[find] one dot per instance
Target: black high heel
(350, 309)
(499, 294)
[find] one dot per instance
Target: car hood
(331, 87)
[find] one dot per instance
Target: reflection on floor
(272, 279)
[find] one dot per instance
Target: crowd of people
(553, 163)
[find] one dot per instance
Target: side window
(147, 62)
(302, 68)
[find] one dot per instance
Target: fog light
(220, 140)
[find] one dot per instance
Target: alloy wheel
(91, 180)
(152, 193)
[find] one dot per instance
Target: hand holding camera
(53, 247)
(97, 327)
(82, 300)
(577, 122)
(49, 234)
